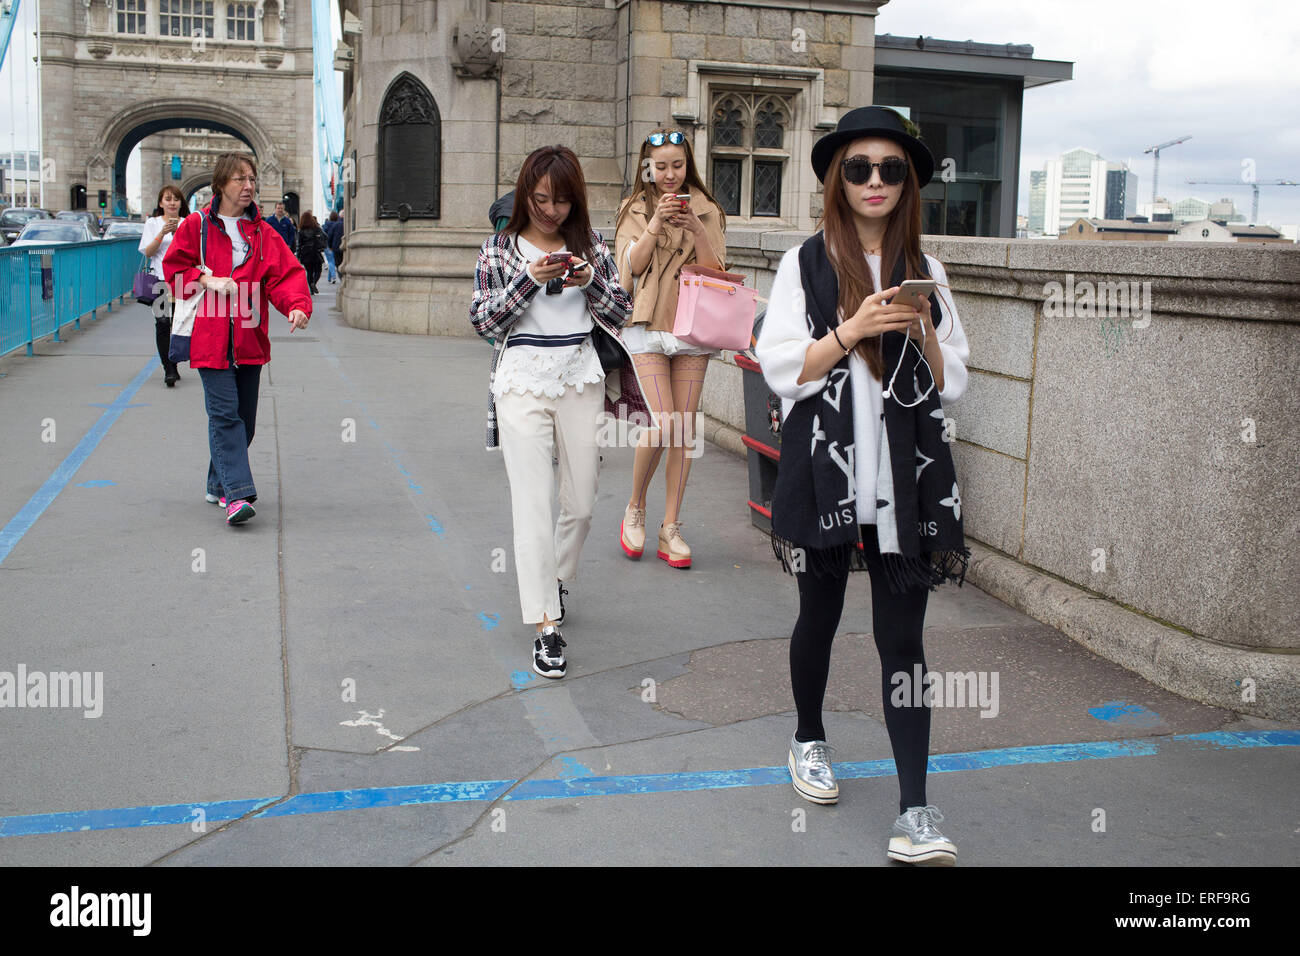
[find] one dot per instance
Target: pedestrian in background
(333, 229)
(159, 228)
(312, 244)
(285, 227)
(671, 220)
(244, 263)
(864, 456)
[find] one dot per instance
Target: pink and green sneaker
(237, 512)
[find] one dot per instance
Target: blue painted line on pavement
(126, 818)
(406, 796)
(22, 522)
(1130, 715)
(590, 786)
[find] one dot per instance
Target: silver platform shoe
(811, 773)
(917, 839)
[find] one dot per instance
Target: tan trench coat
(654, 291)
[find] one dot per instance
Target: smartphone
(555, 257)
(912, 291)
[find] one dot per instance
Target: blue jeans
(230, 395)
(329, 261)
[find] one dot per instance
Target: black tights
(897, 620)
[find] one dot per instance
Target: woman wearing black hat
(866, 479)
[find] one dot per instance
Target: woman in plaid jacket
(545, 286)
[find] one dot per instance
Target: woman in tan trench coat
(657, 232)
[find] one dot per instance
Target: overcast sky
(1145, 71)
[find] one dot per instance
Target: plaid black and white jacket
(503, 291)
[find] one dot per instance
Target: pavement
(345, 680)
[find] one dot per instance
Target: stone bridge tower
(117, 71)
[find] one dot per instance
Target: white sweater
(783, 344)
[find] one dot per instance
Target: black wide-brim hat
(873, 121)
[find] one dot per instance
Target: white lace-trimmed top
(549, 348)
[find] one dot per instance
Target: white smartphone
(912, 291)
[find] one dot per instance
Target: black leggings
(312, 267)
(162, 329)
(897, 620)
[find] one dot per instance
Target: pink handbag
(714, 309)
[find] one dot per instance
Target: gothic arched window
(410, 152)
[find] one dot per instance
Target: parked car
(117, 228)
(13, 219)
(89, 218)
(45, 232)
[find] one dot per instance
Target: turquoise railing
(43, 288)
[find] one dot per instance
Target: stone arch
(195, 181)
(120, 133)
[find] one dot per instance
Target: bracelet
(835, 332)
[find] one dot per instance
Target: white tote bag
(187, 309)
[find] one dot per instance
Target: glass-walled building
(966, 99)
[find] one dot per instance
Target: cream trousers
(533, 430)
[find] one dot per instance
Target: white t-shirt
(238, 244)
(549, 347)
(152, 226)
(783, 345)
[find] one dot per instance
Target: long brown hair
(848, 258)
(158, 210)
(645, 188)
(560, 163)
(307, 221)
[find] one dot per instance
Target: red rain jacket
(269, 272)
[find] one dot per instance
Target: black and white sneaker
(548, 653)
(563, 591)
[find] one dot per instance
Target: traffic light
(103, 199)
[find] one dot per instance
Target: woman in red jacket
(243, 263)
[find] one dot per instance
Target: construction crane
(1254, 190)
(1155, 171)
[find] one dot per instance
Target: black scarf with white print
(814, 503)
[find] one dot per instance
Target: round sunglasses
(658, 139)
(857, 170)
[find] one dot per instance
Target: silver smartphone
(912, 291)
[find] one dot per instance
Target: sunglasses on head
(857, 170)
(658, 139)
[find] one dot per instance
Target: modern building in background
(24, 179)
(1037, 201)
(1081, 184)
(1121, 191)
